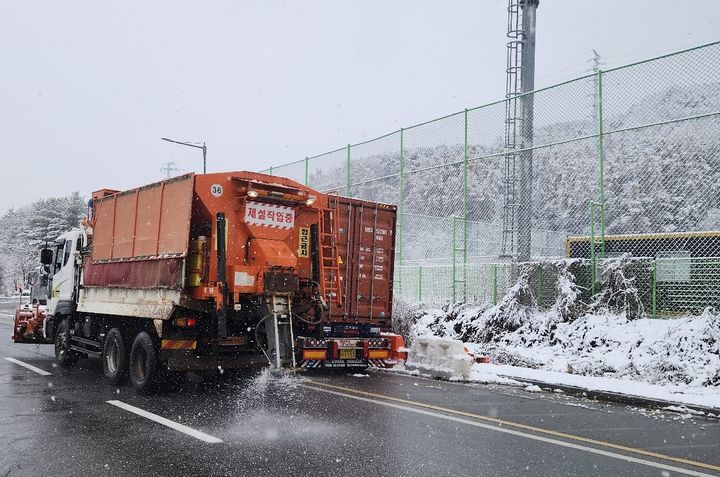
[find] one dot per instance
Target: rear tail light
(314, 343)
(185, 321)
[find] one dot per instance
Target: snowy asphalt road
(326, 424)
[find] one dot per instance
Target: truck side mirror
(46, 256)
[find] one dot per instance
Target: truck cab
(64, 270)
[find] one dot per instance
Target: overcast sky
(87, 89)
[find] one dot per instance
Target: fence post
(495, 290)
(653, 266)
(420, 283)
(400, 217)
(601, 137)
(538, 286)
(306, 170)
(348, 170)
(593, 258)
(465, 208)
(592, 249)
(454, 258)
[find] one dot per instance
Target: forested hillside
(24, 231)
(661, 174)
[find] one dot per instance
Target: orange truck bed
(145, 238)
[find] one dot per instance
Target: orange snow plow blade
(28, 325)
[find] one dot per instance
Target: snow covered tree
(24, 231)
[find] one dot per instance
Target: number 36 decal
(216, 190)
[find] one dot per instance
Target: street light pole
(203, 147)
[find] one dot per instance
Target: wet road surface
(70, 422)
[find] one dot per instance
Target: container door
(372, 259)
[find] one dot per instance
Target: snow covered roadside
(437, 358)
(706, 397)
(680, 351)
(604, 345)
(674, 360)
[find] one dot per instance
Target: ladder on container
(329, 266)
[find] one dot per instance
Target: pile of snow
(679, 351)
(440, 358)
(610, 336)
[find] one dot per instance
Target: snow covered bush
(610, 335)
(617, 290)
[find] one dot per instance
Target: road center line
(28, 366)
(166, 422)
(413, 407)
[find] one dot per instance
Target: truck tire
(63, 354)
(144, 364)
(114, 358)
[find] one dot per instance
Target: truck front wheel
(64, 356)
(144, 363)
(114, 358)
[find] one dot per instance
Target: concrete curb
(613, 397)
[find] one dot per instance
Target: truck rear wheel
(144, 364)
(63, 354)
(114, 358)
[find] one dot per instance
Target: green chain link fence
(625, 160)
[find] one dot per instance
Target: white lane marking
(166, 422)
(28, 366)
(548, 440)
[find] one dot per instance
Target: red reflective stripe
(178, 344)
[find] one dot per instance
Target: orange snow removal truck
(230, 266)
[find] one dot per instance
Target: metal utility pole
(192, 144)
(169, 169)
(527, 80)
(520, 79)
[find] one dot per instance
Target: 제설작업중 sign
(269, 215)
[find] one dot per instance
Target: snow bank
(609, 337)
(677, 351)
(439, 357)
